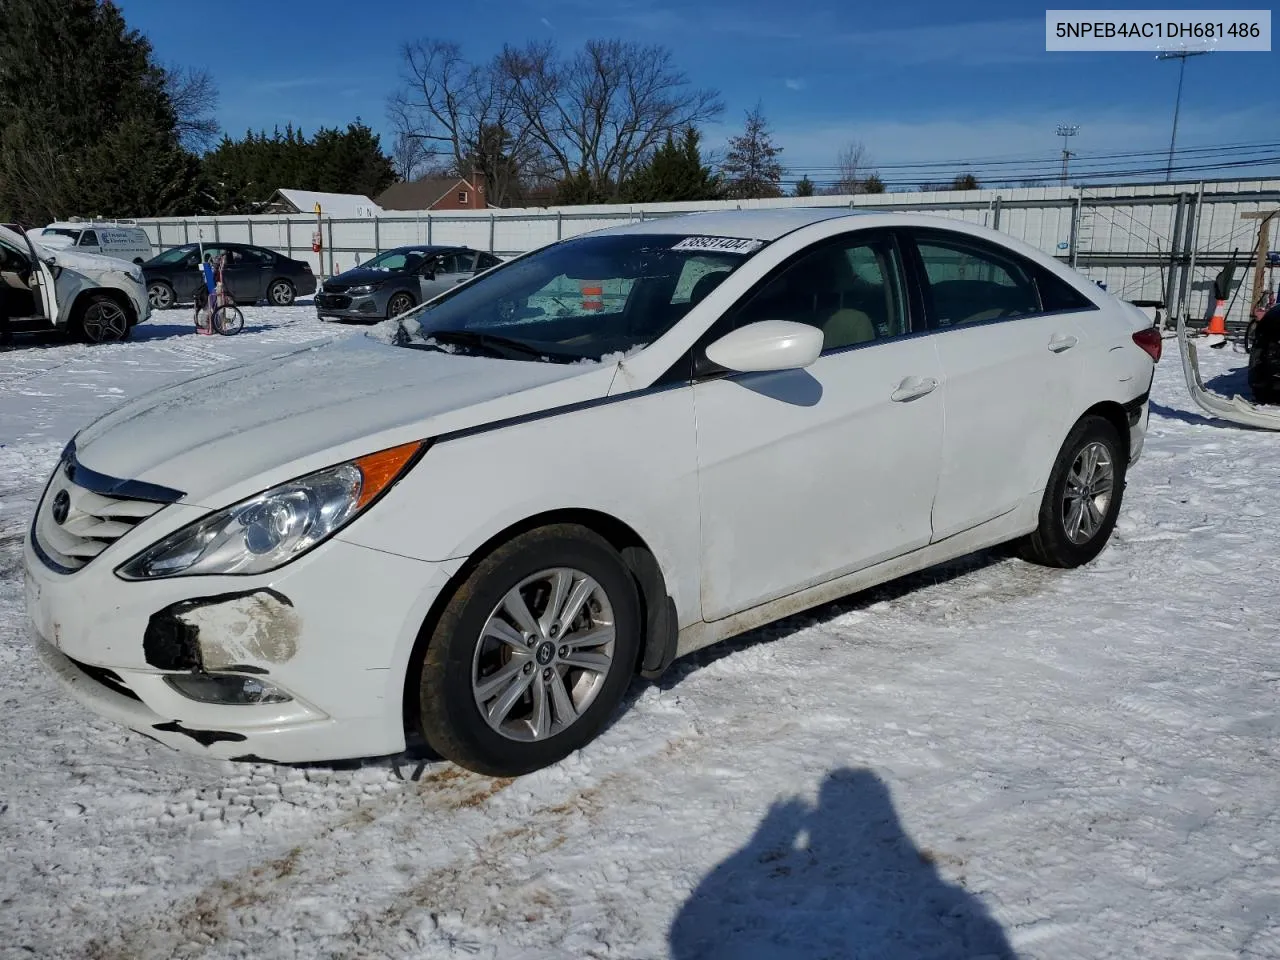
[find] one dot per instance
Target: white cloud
(794, 83)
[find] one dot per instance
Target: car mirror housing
(767, 345)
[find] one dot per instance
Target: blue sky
(912, 81)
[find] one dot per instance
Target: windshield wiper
(495, 344)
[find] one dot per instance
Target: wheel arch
(119, 297)
(661, 627)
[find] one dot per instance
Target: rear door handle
(1058, 343)
(913, 388)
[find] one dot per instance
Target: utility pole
(1181, 57)
(1066, 131)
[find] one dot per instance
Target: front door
(446, 270)
(807, 475)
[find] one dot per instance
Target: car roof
(763, 224)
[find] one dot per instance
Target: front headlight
(268, 530)
(363, 289)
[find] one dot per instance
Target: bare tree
(751, 165)
(409, 156)
(852, 163)
(194, 97)
(598, 115)
(463, 115)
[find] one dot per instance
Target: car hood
(233, 432)
(360, 275)
(89, 264)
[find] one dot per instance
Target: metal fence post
(995, 214)
(559, 224)
(493, 226)
(1188, 242)
(1171, 281)
(428, 229)
(1075, 229)
(186, 231)
(288, 237)
(216, 238)
(330, 246)
(377, 237)
(249, 221)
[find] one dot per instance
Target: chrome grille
(99, 511)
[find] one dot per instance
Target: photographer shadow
(839, 880)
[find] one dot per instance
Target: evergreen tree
(804, 187)
(751, 166)
(87, 126)
(873, 184)
(674, 172)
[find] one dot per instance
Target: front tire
(161, 296)
(1082, 499)
(281, 293)
(400, 303)
(100, 319)
(532, 654)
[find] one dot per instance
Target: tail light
(1150, 341)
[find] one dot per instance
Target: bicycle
(225, 317)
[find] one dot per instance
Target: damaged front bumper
(333, 631)
(1237, 409)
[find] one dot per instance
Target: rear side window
(972, 283)
(89, 239)
(1057, 294)
(252, 255)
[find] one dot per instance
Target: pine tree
(675, 172)
(751, 166)
(873, 184)
(804, 187)
(86, 122)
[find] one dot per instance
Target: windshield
(396, 260)
(589, 298)
(60, 232)
(176, 255)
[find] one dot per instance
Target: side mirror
(767, 345)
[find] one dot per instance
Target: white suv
(98, 299)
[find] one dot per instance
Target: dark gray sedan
(398, 280)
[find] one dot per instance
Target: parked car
(250, 273)
(395, 282)
(1264, 358)
(480, 520)
(121, 239)
(98, 299)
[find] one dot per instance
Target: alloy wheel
(543, 655)
(1087, 498)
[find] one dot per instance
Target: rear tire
(1082, 499)
(161, 295)
(478, 654)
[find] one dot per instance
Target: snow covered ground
(991, 758)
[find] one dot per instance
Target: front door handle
(913, 388)
(1058, 343)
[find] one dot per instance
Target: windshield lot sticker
(719, 244)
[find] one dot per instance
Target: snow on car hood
(236, 431)
(89, 264)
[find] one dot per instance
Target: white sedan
(483, 519)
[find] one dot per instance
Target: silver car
(397, 281)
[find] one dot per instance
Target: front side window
(171, 257)
(851, 289)
(89, 238)
(971, 283)
(397, 261)
(581, 299)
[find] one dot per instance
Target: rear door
(1011, 374)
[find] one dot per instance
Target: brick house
(435, 193)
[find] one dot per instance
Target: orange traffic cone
(1218, 322)
(592, 297)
